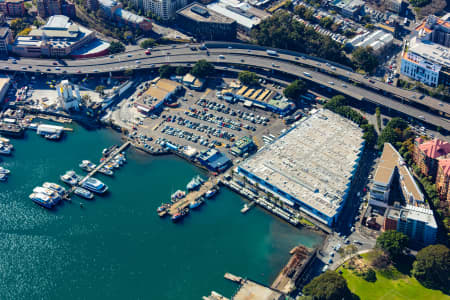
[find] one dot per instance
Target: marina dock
(191, 196)
(101, 165)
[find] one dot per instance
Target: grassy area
(390, 284)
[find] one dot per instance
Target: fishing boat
(55, 187)
(194, 183)
(79, 191)
(87, 165)
(94, 185)
(71, 178)
(196, 203)
(178, 195)
(43, 200)
(4, 171)
(210, 193)
(180, 214)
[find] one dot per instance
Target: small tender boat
(106, 171)
(79, 191)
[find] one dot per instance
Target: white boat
(46, 191)
(5, 150)
(209, 194)
(94, 185)
(3, 177)
(4, 171)
(106, 171)
(87, 165)
(70, 178)
(43, 200)
(83, 193)
(55, 187)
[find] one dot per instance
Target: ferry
(87, 165)
(178, 195)
(94, 185)
(179, 215)
(83, 193)
(195, 183)
(71, 178)
(211, 193)
(55, 187)
(46, 191)
(196, 203)
(43, 200)
(4, 171)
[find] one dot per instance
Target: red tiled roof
(435, 148)
(445, 165)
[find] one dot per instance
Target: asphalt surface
(316, 70)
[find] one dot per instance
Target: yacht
(83, 193)
(94, 185)
(4, 171)
(71, 178)
(46, 191)
(43, 200)
(87, 165)
(55, 187)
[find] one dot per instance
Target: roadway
(327, 74)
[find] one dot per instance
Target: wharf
(247, 207)
(14, 130)
(191, 196)
(101, 165)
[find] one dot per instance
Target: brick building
(13, 8)
(443, 179)
(427, 153)
(47, 8)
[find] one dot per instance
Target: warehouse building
(311, 166)
(206, 24)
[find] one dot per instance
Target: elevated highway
(330, 75)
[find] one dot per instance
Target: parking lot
(202, 120)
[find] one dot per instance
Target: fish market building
(311, 166)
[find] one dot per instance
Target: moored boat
(178, 195)
(55, 187)
(79, 191)
(3, 177)
(43, 200)
(46, 191)
(70, 178)
(210, 193)
(87, 165)
(196, 203)
(180, 214)
(4, 171)
(94, 185)
(194, 183)
(106, 171)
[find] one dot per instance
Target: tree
(295, 89)
(432, 267)
(100, 89)
(17, 25)
(202, 69)
(181, 71)
(116, 47)
(326, 22)
(248, 78)
(370, 275)
(165, 71)
(392, 242)
(328, 286)
(24, 32)
(128, 36)
(148, 43)
(364, 59)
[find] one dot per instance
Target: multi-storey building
(397, 6)
(443, 180)
(206, 24)
(417, 223)
(47, 8)
(5, 40)
(114, 10)
(12, 8)
(427, 153)
(426, 57)
(92, 4)
(165, 9)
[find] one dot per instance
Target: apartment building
(443, 180)
(12, 8)
(5, 40)
(427, 153)
(47, 8)
(165, 9)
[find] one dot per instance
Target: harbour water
(115, 246)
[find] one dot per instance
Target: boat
(55, 187)
(108, 150)
(52, 136)
(3, 177)
(43, 200)
(106, 171)
(210, 193)
(87, 165)
(196, 203)
(179, 215)
(83, 193)
(178, 195)
(5, 150)
(4, 140)
(46, 191)
(71, 178)
(4, 171)
(94, 185)
(195, 183)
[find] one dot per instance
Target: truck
(272, 52)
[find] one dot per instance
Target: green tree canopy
(202, 69)
(165, 71)
(395, 131)
(181, 71)
(295, 89)
(364, 59)
(248, 78)
(392, 242)
(328, 286)
(116, 47)
(432, 267)
(148, 43)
